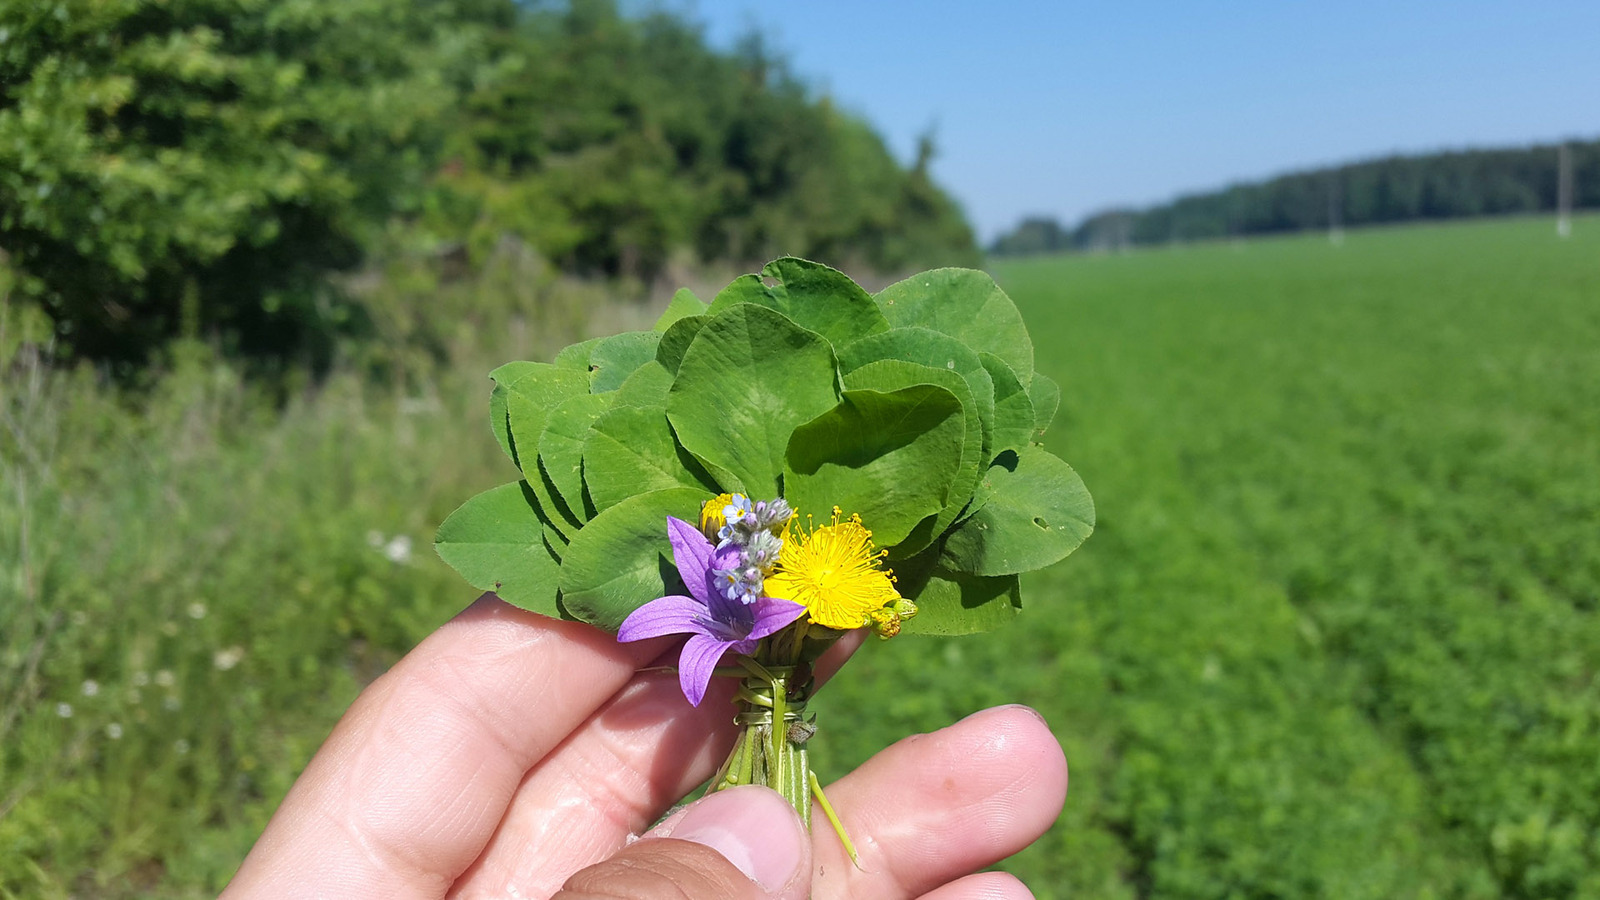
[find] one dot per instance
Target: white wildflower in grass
(375, 539)
(114, 731)
(398, 550)
(171, 704)
(165, 679)
(181, 746)
(91, 688)
(64, 710)
(197, 610)
(228, 658)
(141, 678)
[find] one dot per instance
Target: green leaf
(1034, 511)
(498, 422)
(502, 377)
(815, 296)
(1046, 397)
(646, 388)
(726, 482)
(561, 446)
(614, 358)
(495, 540)
(558, 519)
(531, 390)
(893, 374)
(621, 559)
(632, 451)
(513, 371)
(748, 379)
(927, 347)
(967, 305)
(682, 305)
(554, 541)
(1013, 411)
(953, 603)
(889, 456)
(576, 356)
(675, 342)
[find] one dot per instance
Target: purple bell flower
(714, 622)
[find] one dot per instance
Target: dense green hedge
(201, 167)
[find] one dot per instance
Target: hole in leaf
(1041, 522)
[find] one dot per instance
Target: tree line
(1393, 189)
(201, 168)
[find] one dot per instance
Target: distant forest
(202, 168)
(1393, 189)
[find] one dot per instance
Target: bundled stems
(771, 747)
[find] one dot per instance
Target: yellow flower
(833, 572)
(711, 517)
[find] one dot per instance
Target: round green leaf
(614, 358)
(967, 305)
(502, 377)
(558, 519)
(889, 456)
(893, 374)
(1013, 411)
(927, 347)
(631, 451)
(524, 394)
(498, 420)
(1034, 511)
(815, 296)
(749, 378)
(953, 603)
(561, 446)
(576, 356)
(646, 388)
(621, 560)
(495, 540)
(1046, 396)
(675, 342)
(682, 305)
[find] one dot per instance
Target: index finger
(413, 780)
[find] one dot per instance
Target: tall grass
(198, 580)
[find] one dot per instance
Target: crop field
(1336, 634)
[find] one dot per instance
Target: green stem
(764, 752)
(833, 819)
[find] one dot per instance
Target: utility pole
(1564, 191)
(1335, 210)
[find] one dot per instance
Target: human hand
(510, 754)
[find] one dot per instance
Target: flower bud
(885, 622)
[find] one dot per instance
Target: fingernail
(754, 827)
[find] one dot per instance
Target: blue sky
(1064, 108)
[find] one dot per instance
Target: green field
(1336, 633)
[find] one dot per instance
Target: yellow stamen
(833, 571)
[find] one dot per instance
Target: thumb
(744, 843)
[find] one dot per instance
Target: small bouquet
(795, 460)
